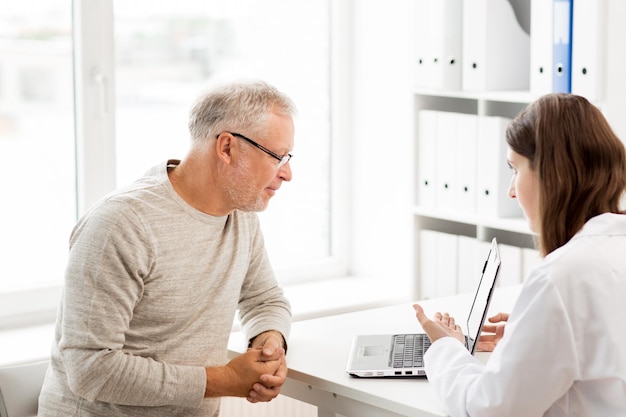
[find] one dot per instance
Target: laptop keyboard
(408, 350)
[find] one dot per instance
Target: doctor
(564, 350)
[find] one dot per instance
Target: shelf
(513, 224)
(487, 103)
(520, 97)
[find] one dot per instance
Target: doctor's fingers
(448, 320)
(489, 328)
(419, 311)
(499, 317)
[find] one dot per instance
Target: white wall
(382, 169)
(615, 81)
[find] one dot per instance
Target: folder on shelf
(541, 21)
(427, 158)
(530, 260)
(438, 253)
(511, 273)
(421, 43)
(469, 261)
(445, 44)
(447, 254)
(427, 259)
(562, 46)
(465, 183)
(493, 173)
(446, 167)
(589, 48)
(496, 49)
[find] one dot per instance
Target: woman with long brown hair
(564, 350)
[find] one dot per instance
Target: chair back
(20, 386)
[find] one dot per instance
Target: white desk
(318, 351)
(26, 344)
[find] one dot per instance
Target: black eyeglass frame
(282, 159)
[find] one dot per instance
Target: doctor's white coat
(564, 349)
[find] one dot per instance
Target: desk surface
(319, 348)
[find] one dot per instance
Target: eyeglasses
(282, 160)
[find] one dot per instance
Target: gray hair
(242, 105)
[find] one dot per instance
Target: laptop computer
(401, 355)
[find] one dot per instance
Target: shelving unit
(512, 232)
(607, 90)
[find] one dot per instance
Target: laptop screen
(480, 305)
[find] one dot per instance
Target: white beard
(242, 191)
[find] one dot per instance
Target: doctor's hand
(442, 325)
(492, 333)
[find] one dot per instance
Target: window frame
(94, 91)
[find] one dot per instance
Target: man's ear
(224, 147)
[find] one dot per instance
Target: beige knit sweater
(151, 290)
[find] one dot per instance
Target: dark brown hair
(579, 161)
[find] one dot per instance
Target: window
(148, 61)
(36, 141)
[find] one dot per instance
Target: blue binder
(562, 46)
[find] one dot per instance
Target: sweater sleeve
(109, 257)
(262, 305)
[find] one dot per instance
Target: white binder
(541, 46)
(589, 48)
(422, 69)
(427, 158)
(447, 253)
(530, 260)
(437, 263)
(445, 41)
(428, 264)
(511, 268)
(446, 167)
(466, 153)
(470, 260)
(496, 49)
(493, 172)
